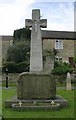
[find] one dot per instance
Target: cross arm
(28, 23)
(43, 23)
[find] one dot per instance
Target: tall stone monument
(36, 86)
(36, 62)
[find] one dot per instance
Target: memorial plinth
(36, 86)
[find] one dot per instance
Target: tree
(22, 34)
(19, 52)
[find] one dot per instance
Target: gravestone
(68, 80)
(36, 63)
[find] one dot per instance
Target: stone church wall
(6, 41)
(66, 52)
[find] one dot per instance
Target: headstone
(36, 63)
(68, 86)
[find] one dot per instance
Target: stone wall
(68, 49)
(5, 46)
(11, 77)
(48, 44)
(6, 42)
(66, 52)
(0, 51)
(75, 47)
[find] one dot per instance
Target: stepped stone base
(36, 91)
(46, 104)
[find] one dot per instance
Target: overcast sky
(59, 14)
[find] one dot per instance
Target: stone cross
(36, 62)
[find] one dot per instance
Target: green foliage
(19, 52)
(61, 68)
(18, 55)
(22, 34)
(56, 64)
(16, 67)
(47, 52)
(75, 59)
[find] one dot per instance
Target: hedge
(61, 68)
(22, 34)
(16, 67)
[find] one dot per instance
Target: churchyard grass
(10, 83)
(13, 83)
(0, 103)
(67, 112)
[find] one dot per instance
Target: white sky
(59, 14)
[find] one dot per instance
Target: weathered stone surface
(48, 64)
(46, 106)
(36, 63)
(66, 52)
(36, 86)
(63, 102)
(68, 80)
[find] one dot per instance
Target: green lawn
(0, 102)
(10, 83)
(67, 112)
(13, 83)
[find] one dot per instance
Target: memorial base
(13, 103)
